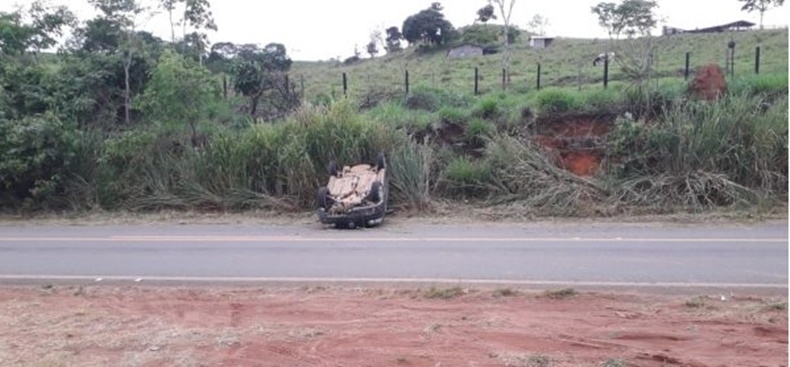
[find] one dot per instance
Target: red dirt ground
(555, 136)
(150, 326)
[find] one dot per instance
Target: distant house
(540, 42)
(740, 25)
(466, 50)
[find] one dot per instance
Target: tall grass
(273, 166)
(704, 154)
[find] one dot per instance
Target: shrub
(36, 157)
(422, 100)
(452, 115)
(478, 128)
(432, 99)
(557, 101)
(488, 109)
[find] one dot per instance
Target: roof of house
(716, 28)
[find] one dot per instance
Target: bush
(488, 108)
(36, 156)
(432, 99)
(477, 128)
(465, 177)
(451, 115)
(557, 101)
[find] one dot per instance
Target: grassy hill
(566, 63)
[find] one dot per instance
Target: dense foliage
(119, 119)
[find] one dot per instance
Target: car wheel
(380, 161)
(375, 192)
(324, 200)
(332, 169)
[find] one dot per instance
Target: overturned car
(355, 196)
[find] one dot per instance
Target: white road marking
(402, 280)
(381, 239)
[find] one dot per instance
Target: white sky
(322, 29)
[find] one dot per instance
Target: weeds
(697, 302)
(561, 293)
(613, 363)
(505, 292)
(537, 360)
(447, 293)
(777, 306)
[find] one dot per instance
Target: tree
(635, 19)
(372, 48)
(607, 18)
(178, 92)
(485, 13)
(258, 71)
(631, 17)
(537, 25)
(124, 13)
(46, 24)
(760, 5)
(506, 10)
(428, 26)
(376, 40)
(393, 40)
(196, 17)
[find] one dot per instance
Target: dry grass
(560, 293)
(446, 293)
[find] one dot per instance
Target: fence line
(524, 77)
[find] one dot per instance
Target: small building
(466, 50)
(540, 42)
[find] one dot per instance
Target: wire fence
(521, 78)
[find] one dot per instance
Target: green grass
(567, 63)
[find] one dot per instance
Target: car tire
(381, 162)
(374, 195)
(332, 169)
(324, 200)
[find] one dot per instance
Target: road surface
(576, 254)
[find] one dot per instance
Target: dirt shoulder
(440, 214)
(160, 326)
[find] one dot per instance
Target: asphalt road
(725, 256)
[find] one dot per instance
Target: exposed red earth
(164, 326)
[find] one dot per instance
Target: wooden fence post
(407, 82)
(476, 76)
(538, 78)
(345, 85)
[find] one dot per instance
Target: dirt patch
(574, 142)
(582, 163)
(709, 83)
(141, 326)
(571, 126)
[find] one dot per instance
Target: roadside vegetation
(122, 120)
